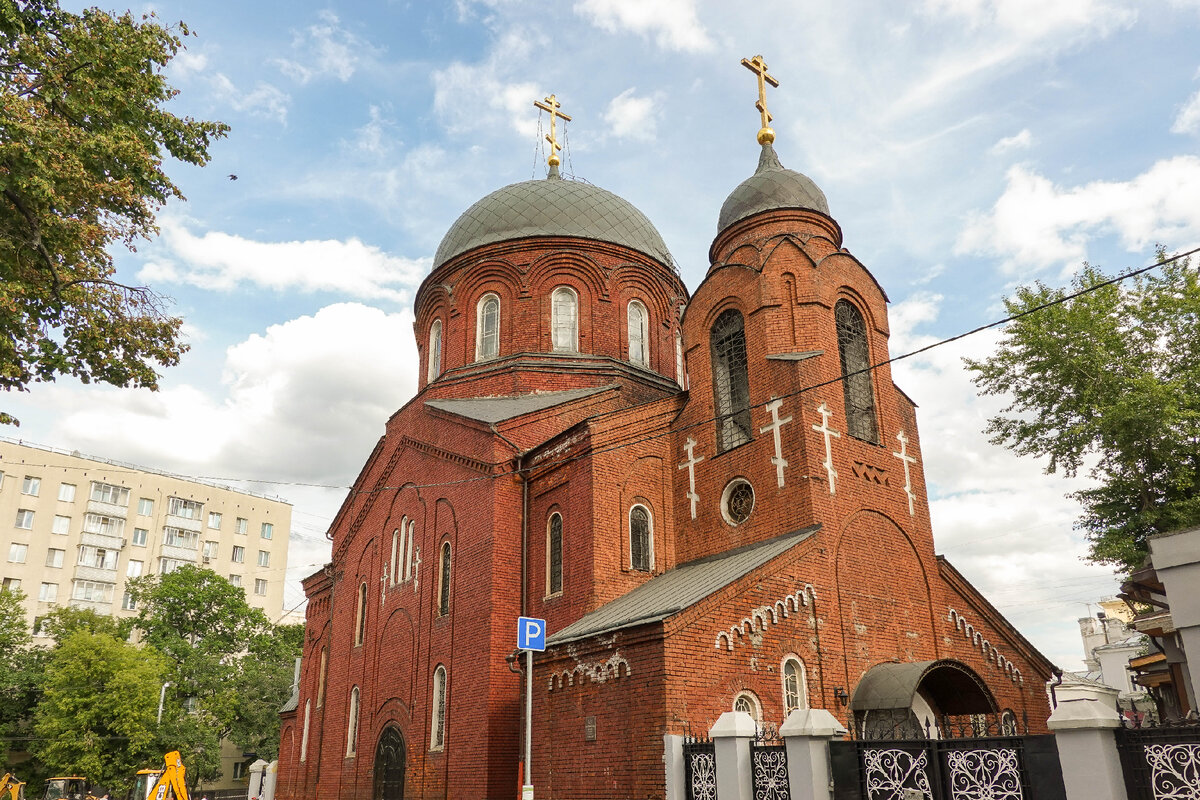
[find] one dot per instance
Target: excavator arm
(11, 788)
(171, 784)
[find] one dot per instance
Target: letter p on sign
(531, 633)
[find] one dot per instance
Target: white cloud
(633, 117)
(378, 136)
(1018, 141)
(326, 50)
(483, 95)
(189, 62)
(673, 23)
(263, 101)
(1188, 119)
(223, 262)
(1036, 224)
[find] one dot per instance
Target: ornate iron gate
(768, 766)
(1161, 763)
(700, 768)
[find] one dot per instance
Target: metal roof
(498, 409)
(552, 207)
(953, 686)
(665, 595)
(771, 186)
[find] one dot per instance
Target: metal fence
(700, 768)
(1160, 762)
(768, 765)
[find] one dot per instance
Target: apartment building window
(48, 593)
(55, 557)
(107, 493)
(92, 591)
(140, 536)
(134, 569)
(239, 554)
(260, 586)
(178, 537)
(12, 584)
(31, 485)
(235, 580)
(66, 492)
(145, 507)
(128, 603)
(17, 552)
(267, 531)
(24, 519)
(97, 557)
(214, 520)
(61, 526)
(239, 770)
(102, 523)
(264, 558)
(241, 526)
(188, 509)
(210, 550)
(168, 565)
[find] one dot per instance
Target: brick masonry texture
(866, 588)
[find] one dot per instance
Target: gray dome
(552, 207)
(771, 186)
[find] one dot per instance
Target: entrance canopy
(950, 686)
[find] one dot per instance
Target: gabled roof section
(667, 594)
(497, 409)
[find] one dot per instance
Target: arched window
(638, 322)
(397, 549)
(564, 320)
(795, 688)
(487, 328)
(856, 361)
(352, 724)
(746, 701)
(360, 618)
(444, 582)
(409, 555)
(437, 732)
(641, 539)
(304, 736)
(679, 378)
(435, 349)
(554, 553)
(321, 678)
(731, 382)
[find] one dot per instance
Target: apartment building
(75, 528)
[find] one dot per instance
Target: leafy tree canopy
(63, 621)
(19, 668)
(1108, 381)
(83, 134)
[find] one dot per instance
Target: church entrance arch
(389, 766)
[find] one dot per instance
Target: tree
(97, 714)
(83, 134)
(262, 687)
(19, 670)
(1110, 381)
(63, 621)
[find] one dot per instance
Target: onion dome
(770, 187)
(552, 207)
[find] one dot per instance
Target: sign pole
(527, 789)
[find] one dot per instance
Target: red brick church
(715, 499)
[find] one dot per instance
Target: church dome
(552, 207)
(770, 187)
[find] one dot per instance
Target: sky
(966, 147)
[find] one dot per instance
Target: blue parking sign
(531, 633)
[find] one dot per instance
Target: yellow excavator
(11, 788)
(161, 784)
(70, 787)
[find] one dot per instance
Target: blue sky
(965, 146)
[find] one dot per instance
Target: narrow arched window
(679, 378)
(856, 362)
(746, 701)
(487, 328)
(397, 549)
(444, 582)
(304, 736)
(410, 554)
(437, 728)
(638, 323)
(321, 678)
(564, 320)
(641, 539)
(360, 618)
(435, 349)
(731, 381)
(352, 724)
(795, 692)
(554, 554)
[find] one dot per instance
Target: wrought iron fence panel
(983, 773)
(769, 771)
(700, 769)
(1161, 763)
(888, 770)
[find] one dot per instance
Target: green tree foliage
(63, 621)
(97, 715)
(1108, 381)
(83, 134)
(19, 669)
(227, 663)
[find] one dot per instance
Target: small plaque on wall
(589, 729)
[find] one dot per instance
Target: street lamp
(162, 695)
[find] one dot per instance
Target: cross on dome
(766, 134)
(552, 105)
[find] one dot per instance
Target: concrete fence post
(674, 766)
(806, 734)
(1087, 750)
(731, 735)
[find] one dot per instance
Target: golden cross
(552, 105)
(759, 67)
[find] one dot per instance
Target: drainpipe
(1058, 679)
